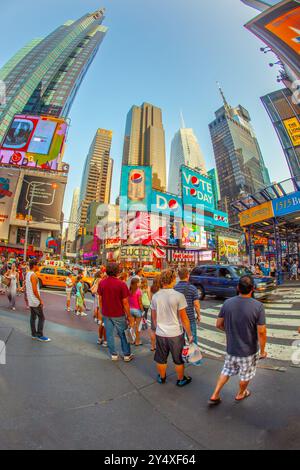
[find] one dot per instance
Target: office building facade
(74, 216)
(144, 142)
(97, 174)
(239, 161)
(44, 76)
(185, 150)
(285, 116)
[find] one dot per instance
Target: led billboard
(8, 184)
(136, 187)
(34, 141)
(197, 190)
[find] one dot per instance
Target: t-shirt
(242, 317)
(79, 289)
(69, 284)
(134, 299)
(191, 294)
(167, 303)
(113, 292)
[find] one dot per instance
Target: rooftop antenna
(226, 104)
(182, 120)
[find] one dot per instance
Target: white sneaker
(114, 357)
(83, 314)
(104, 344)
(99, 342)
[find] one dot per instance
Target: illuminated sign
(193, 237)
(34, 141)
(136, 253)
(256, 214)
(228, 248)
(7, 191)
(287, 28)
(287, 204)
(293, 127)
(196, 189)
(136, 186)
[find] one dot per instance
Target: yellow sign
(228, 247)
(293, 127)
(256, 214)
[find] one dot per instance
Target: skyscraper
(261, 5)
(74, 216)
(97, 174)
(44, 76)
(185, 150)
(144, 142)
(239, 161)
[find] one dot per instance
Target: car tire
(201, 293)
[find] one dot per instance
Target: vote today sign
(196, 189)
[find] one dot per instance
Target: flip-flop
(215, 402)
(140, 344)
(247, 395)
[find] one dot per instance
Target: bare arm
(154, 318)
(197, 309)
(186, 323)
(262, 338)
(127, 311)
(34, 283)
(220, 324)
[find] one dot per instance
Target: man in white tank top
(35, 303)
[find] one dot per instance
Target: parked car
(52, 276)
(222, 281)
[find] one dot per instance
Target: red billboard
(34, 142)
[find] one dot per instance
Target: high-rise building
(74, 216)
(239, 161)
(185, 150)
(285, 116)
(44, 76)
(97, 174)
(144, 142)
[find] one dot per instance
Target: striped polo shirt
(191, 294)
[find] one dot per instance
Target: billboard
(8, 185)
(256, 214)
(228, 248)
(34, 141)
(287, 204)
(287, 28)
(136, 253)
(146, 229)
(193, 237)
(167, 204)
(292, 126)
(197, 190)
(136, 187)
(46, 195)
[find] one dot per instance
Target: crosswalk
(283, 320)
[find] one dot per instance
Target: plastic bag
(191, 354)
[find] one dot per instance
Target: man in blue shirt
(192, 298)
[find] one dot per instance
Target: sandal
(246, 395)
(215, 402)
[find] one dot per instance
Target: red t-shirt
(113, 292)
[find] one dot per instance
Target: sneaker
(34, 337)
(161, 380)
(104, 344)
(13, 309)
(44, 339)
(185, 381)
(128, 358)
(83, 314)
(99, 342)
(114, 357)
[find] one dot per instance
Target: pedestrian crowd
(169, 309)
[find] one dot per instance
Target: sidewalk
(68, 395)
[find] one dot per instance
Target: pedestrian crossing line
(279, 352)
(278, 305)
(282, 334)
(283, 313)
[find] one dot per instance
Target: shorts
(243, 366)
(79, 301)
(69, 293)
(165, 346)
(136, 313)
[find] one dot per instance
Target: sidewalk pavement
(68, 395)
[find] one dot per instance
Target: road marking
(278, 304)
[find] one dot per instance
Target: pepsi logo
(137, 178)
(16, 157)
(173, 204)
(195, 181)
(193, 192)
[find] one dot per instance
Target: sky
(169, 53)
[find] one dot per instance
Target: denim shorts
(136, 313)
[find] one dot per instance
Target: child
(69, 287)
(145, 301)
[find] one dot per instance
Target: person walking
(294, 272)
(80, 298)
(145, 301)
(114, 305)
(244, 322)
(12, 278)
(136, 307)
(35, 303)
(170, 319)
(153, 290)
(69, 287)
(192, 298)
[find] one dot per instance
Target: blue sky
(166, 52)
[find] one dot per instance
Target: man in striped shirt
(192, 298)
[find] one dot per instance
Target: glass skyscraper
(44, 76)
(239, 161)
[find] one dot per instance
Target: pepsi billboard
(136, 187)
(167, 204)
(197, 190)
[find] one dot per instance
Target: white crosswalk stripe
(283, 320)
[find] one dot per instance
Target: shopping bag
(191, 354)
(130, 335)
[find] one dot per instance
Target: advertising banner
(46, 195)
(287, 28)
(136, 253)
(256, 214)
(193, 237)
(287, 204)
(228, 248)
(136, 187)
(165, 203)
(34, 141)
(147, 229)
(293, 127)
(197, 190)
(8, 185)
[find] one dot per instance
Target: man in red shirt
(114, 304)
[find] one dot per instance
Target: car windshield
(241, 271)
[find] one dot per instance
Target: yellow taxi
(55, 276)
(151, 272)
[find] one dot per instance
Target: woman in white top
(14, 285)
(69, 287)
